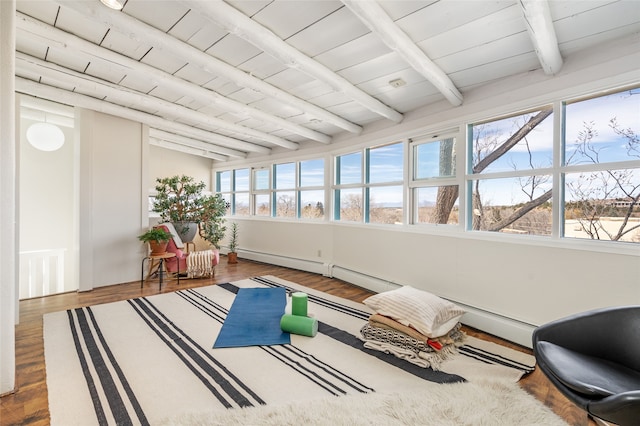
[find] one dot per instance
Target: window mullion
(557, 201)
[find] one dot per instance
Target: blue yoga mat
(254, 319)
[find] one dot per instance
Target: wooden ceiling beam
(137, 30)
(32, 29)
(182, 144)
(217, 143)
(127, 97)
(537, 16)
(239, 24)
(379, 22)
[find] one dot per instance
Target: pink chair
(179, 262)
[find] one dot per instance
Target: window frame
(459, 128)
(365, 185)
(415, 184)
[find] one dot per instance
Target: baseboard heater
(286, 261)
(489, 322)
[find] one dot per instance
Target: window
(385, 189)
(348, 193)
(285, 194)
(287, 190)
(433, 183)
(566, 170)
(512, 171)
(240, 198)
(371, 190)
(223, 186)
(510, 162)
(311, 190)
(601, 173)
(261, 192)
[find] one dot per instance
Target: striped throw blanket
(199, 264)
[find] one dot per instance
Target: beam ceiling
(229, 79)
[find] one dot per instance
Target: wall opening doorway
(48, 197)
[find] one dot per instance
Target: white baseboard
(498, 325)
(488, 322)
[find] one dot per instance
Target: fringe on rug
(199, 264)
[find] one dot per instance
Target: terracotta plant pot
(232, 257)
(158, 247)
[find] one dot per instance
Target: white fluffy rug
(480, 403)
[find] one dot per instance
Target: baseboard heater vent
(286, 261)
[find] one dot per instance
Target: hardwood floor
(29, 405)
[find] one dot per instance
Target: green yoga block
(299, 303)
(296, 324)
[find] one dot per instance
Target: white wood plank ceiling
(228, 79)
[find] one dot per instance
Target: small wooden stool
(162, 267)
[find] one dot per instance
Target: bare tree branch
(522, 211)
(513, 140)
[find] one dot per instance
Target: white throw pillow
(429, 314)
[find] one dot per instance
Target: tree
(597, 191)
(447, 195)
(179, 199)
(484, 156)
(286, 206)
(351, 207)
(311, 212)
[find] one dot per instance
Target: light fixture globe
(45, 136)
(113, 4)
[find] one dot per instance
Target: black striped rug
(147, 359)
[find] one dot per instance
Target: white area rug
(146, 360)
(483, 403)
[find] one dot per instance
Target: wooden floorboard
(29, 405)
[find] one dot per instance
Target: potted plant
(232, 255)
(157, 238)
(179, 200)
(212, 222)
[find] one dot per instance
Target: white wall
(509, 283)
(8, 198)
(111, 201)
(166, 163)
(47, 204)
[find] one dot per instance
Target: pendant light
(45, 136)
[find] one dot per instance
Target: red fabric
(434, 344)
(172, 262)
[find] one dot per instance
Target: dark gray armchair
(593, 358)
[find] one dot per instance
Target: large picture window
(261, 192)
(510, 163)
(570, 169)
(601, 179)
(596, 170)
(285, 190)
(311, 192)
(240, 196)
(369, 185)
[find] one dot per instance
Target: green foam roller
(299, 303)
(296, 324)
